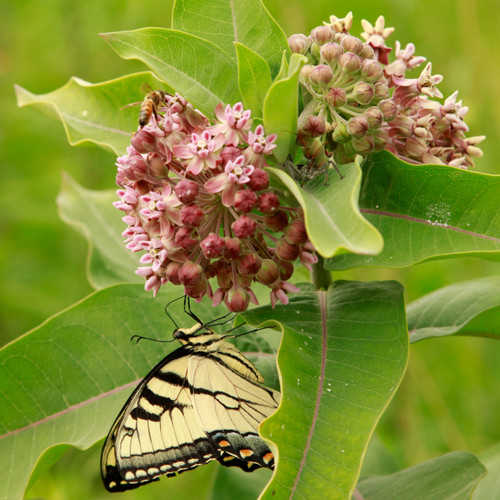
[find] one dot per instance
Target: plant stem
(321, 277)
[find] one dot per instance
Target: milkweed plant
(263, 165)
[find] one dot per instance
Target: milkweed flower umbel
(357, 101)
(198, 204)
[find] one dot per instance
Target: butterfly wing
(230, 408)
(158, 431)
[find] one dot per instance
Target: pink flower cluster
(359, 102)
(197, 201)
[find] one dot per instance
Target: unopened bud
(352, 44)
(321, 75)
(268, 273)
(259, 180)
(336, 97)
(186, 191)
(374, 117)
(370, 70)
(277, 221)
(157, 168)
(172, 272)
(249, 264)
(212, 246)
(380, 138)
(340, 133)
(331, 52)
(143, 141)
(287, 251)
(322, 35)
(364, 145)
(245, 201)
(314, 126)
(299, 43)
(190, 274)
(381, 90)
(269, 203)
(362, 93)
(389, 109)
(232, 249)
(367, 52)
(357, 126)
(192, 215)
(295, 232)
(236, 299)
(349, 62)
(244, 227)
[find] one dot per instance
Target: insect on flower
(149, 106)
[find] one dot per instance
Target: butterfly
(202, 402)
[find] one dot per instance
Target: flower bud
(245, 201)
(197, 291)
(336, 97)
(374, 117)
(192, 215)
(340, 133)
(287, 251)
(351, 44)
(322, 35)
(381, 90)
(331, 52)
(186, 191)
(371, 70)
(362, 93)
(314, 126)
(268, 203)
(190, 274)
(295, 232)
(183, 238)
(321, 75)
(157, 168)
(244, 227)
(212, 246)
(381, 138)
(249, 264)
(357, 126)
(172, 272)
(232, 249)
(349, 62)
(268, 273)
(367, 52)
(286, 269)
(363, 145)
(277, 221)
(143, 141)
(236, 299)
(305, 72)
(299, 43)
(259, 180)
(389, 109)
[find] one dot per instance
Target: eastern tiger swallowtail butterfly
(203, 402)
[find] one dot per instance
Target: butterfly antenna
(189, 312)
(222, 320)
(244, 333)
(167, 313)
(137, 338)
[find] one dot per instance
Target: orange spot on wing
(224, 443)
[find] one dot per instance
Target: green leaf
(489, 487)
(281, 108)
(94, 112)
(450, 477)
(224, 22)
(196, 68)
(333, 220)
(342, 357)
(92, 214)
(449, 310)
(426, 212)
(254, 78)
(65, 382)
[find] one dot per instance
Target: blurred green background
(450, 398)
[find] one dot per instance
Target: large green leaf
(254, 78)
(225, 22)
(64, 382)
(94, 112)
(342, 357)
(92, 214)
(426, 212)
(199, 70)
(450, 310)
(333, 220)
(489, 487)
(450, 477)
(281, 107)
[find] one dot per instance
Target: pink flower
(233, 123)
(202, 151)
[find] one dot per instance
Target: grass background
(450, 398)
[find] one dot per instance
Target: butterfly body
(203, 402)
